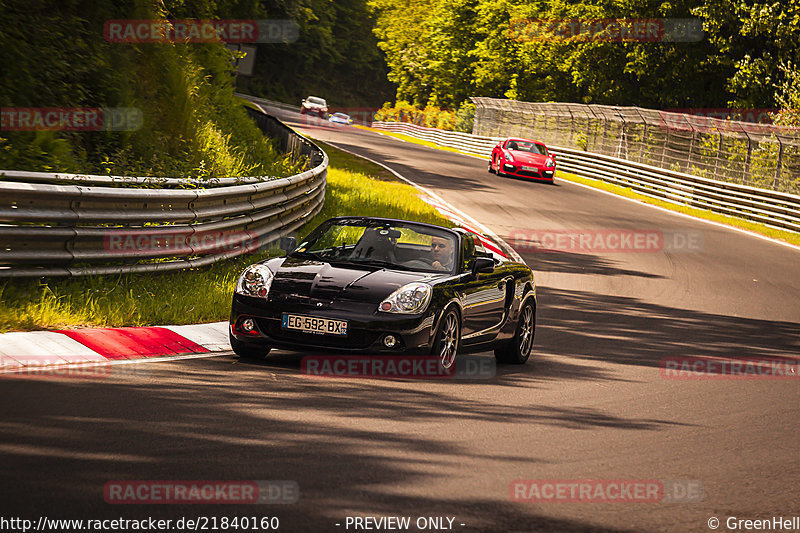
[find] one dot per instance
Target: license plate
(310, 324)
(529, 168)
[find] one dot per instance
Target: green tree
(752, 40)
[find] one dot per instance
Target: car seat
(377, 244)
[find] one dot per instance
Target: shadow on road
(224, 419)
(624, 330)
(63, 440)
(577, 263)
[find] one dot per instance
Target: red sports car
(523, 158)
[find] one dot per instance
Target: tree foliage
(440, 52)
(54, 54)
(335, 57)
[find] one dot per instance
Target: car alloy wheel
(448, 340)
(526, 331)
(518, 349)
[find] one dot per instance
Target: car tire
(246, 350)
(518, 349)
(447, 339)
(491, 170)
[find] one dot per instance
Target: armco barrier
(271, 103)
(776, 209)
(62, 224)
(711, 144)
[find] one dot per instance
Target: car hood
(306, 279)
(528, 158)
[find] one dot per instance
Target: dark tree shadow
(63, 440)
(223, 419)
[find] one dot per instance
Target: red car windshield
(523, 146)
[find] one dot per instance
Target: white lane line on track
(664, 209)
(484, 229)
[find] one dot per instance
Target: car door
(482, 297)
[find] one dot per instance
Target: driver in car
(442, 255)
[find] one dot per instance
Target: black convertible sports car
(383, 286)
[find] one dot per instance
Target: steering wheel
(418, 263)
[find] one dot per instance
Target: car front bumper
(366, 328)
(540, 174)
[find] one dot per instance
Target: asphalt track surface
(592, 404)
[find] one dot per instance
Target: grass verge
(355, 187)
(774, 233)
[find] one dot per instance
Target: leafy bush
(431, 116)
(55, 55)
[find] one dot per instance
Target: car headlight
(255, 281)
(411, 298)
(549, 162)
(508, 155)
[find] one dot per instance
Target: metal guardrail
(765, 156)
(269, 103)
(776, 209)
(71, 225)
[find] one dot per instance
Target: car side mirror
(553, 156)
(288, 244)
(482, 265)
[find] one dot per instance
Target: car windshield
(316, 101)
(526, 146)
(382, 244)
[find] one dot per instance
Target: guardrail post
(571, 126)
(691, 147)
(643, 141)
(777, 178)
(623, 138)
(719, 154)
(746, 174)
